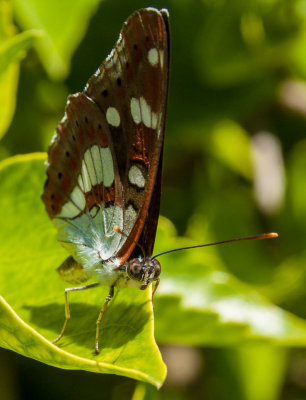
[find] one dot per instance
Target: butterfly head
(145, 270)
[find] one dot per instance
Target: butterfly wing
(133, 85)
(83, 192)
(105, 160)
(147, 237)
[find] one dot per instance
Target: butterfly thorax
(138, 272)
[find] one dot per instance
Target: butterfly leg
(154, 290)
(67, 308)
(155, 287)
(99, 320)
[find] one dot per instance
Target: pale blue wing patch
(91, 239)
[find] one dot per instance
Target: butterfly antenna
(256, 237)
(118, 230)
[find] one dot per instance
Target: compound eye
(157, 268)
(135, 268)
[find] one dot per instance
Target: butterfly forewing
(105, 159)
(147, 237)
(134, 82)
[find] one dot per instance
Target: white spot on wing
(153, 56)
(148, 117)
(135, 110)
(85, 178)
(69, 210)
(78, 198)
(112, 116)
(141, 112)
(154, 121)
(130, 217)
(145, 112)
(90, 167)
(107, 166)
(80, 181)
(161, 58)
(136, 177)
(94, 211)
(97, 162)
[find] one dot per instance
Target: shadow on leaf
(121, 323)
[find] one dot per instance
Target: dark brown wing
(147, 237)
(131, 88)
(104, 162)
(148, 234)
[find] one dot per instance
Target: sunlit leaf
(12, 48)
(297, 171)
(32, 307)
(64, 24)
(260, 370)
(231, 144)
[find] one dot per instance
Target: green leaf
(32, 313)
(11, 51)
(231, 144)
(144, 391)
(262, 378)
(199, 303)
(8, 90)
(248, 45)
(12, 48)
(64, 24)
(297, 192)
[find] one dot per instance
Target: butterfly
(104, 164)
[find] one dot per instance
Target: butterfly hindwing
(83, 192)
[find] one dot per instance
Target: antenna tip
(271, 235)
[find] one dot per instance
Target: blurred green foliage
(234, 165)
